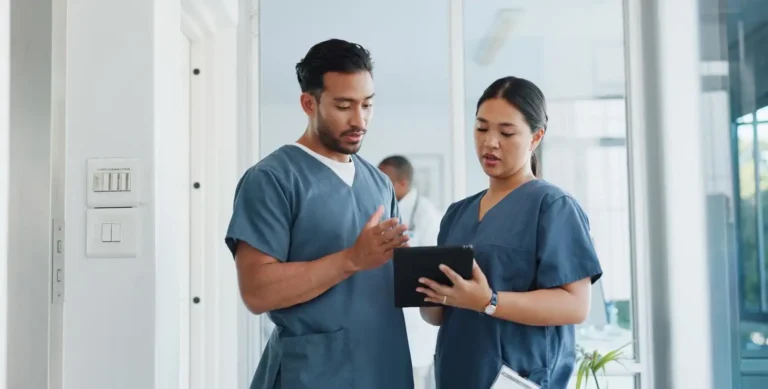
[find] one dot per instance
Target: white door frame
(250, 326)
(209, 296)
(5, 158)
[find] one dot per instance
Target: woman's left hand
(474, 294)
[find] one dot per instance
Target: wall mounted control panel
(113, 229)
(112, 183)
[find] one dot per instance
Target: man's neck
(311, 142)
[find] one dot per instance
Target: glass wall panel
(734, 55)
(574, 51)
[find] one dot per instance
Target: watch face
(490, 310)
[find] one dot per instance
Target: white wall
(126, 320)
(29, 198)
(5, 32)
(109, 314)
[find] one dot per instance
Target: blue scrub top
(537, 237)
(294, 208)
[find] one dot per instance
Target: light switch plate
(113, 182)
(100, 242)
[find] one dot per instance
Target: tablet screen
(412, 263)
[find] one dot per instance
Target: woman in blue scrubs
(535, 261)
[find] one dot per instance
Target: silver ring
(445, 298)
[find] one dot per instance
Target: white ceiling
(571, 48)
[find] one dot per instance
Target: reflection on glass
(754, 336)
(580, 67)
(734, 34)
(751, 239)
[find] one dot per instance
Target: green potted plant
(591, 363)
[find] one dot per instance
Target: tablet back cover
(412, 263)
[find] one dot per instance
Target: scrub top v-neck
(537, 237)
(294, 208)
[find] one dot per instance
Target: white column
(458, 99)
(5, 56)
(112, 111)
(29, 198)
(668, 189)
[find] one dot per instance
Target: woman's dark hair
(527, 98)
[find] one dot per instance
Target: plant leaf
(607, 358)
(594, 359)
(582, 372)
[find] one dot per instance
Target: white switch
(97, 182)
(113, 182)
(117, 232)
(105, 182)
(121, 185)
(124, 237)
(106, 232)
(128, 181)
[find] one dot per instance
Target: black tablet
(412, 263)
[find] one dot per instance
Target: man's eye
(480, 129)
(342, 108)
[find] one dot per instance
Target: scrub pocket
(539, 377)
(317, 361)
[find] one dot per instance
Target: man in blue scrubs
(312, 232)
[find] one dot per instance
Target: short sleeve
(565, 252)
(261, 216)
(445, 224)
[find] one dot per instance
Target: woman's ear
(538, 136)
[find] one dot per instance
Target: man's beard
(335, 144)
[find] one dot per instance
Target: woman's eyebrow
(502, 124)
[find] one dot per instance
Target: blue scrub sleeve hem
(593, 273)
(233, 241)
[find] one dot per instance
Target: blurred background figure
(420, 215)
(423, 220)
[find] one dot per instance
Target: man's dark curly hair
(333, 55)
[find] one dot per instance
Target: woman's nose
(491, 142)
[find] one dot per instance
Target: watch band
(490, 309)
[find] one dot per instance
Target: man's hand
(376, 241)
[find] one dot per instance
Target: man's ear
(308, 103)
